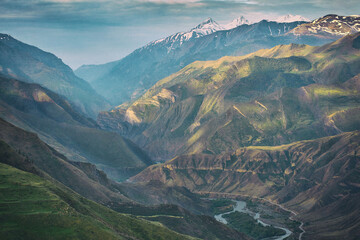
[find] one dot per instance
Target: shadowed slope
(54, 119)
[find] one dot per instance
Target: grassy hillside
(34, 208)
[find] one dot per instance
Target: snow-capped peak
(207, 27)
(292, 18)
(236, 22)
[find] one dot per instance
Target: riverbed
(240, 206)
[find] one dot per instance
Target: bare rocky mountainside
(319, 179)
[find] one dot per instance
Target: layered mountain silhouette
(130, 77)
(30, 64)
(57, 122)
(280, 124)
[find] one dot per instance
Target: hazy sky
(99, 31)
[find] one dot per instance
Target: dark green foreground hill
(25, 151)
(32, 207)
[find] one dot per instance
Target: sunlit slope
(275, 96)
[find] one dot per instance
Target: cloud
(92, 30)
(75, 13)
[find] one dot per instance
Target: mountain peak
(292, 18)
(330, 25)
(206, 27)
(4, 36)
(209, 20)
(237, 22)
(208, 23)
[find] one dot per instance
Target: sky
(100, 31)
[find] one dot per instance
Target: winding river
(240, 206)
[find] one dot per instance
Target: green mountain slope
(274, 96)
(317, 178)
(35, 208)
(55, 120)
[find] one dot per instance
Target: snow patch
(236, 22)
(292, 18)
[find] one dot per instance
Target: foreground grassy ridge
(34, 208)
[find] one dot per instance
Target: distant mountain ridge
(32, 65)
(126, 79)
(292, 18)
(329, 26)
(236, 22)
(131, 76)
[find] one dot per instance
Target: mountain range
(270, 97)
(278, 125)
(128, 78)
(292, 18)
(267, 113)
